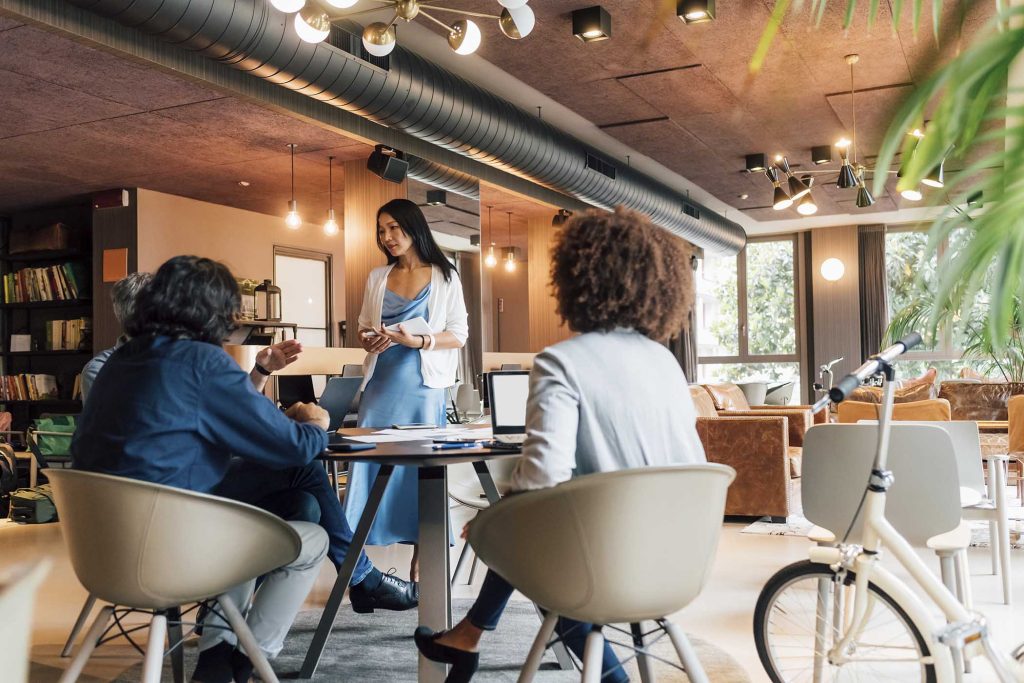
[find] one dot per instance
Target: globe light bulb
(832, 269)
(379, 39)
(288, 6)
(312, 25)
(341, 4)
(512, 4)
(464, 37)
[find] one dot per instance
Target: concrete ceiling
(683, 95)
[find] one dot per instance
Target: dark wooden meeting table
(435, 608)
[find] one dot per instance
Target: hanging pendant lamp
(293, 220)
(491, 259)
(331, 226)
(510, 254)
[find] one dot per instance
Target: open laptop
(508, 391)
(337, 398)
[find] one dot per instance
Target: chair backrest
(612, 547)
(727, 396)
(464, 484)
(924, 500)
(930, 410)
(966, 448)
(145, 545)
(779, 394)
(18, 585)
(338, 397)
(702, 401)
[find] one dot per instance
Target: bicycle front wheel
(802, 613)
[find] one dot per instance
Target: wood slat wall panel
(364, 194)
(835, 305)
(546, 327)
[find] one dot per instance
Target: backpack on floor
(33, 506)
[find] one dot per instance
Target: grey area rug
(379, 647)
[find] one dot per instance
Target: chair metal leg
(90, 602)
(532, 663)
(687, 655)
(822, 622)
(472, 569)
(174, 638)
(466, 550)
(993, 543)
(88, 645)
(947, 568)
(154, 663)
(1003, 531)
(592, 654)
(643, 663)
(247, 640)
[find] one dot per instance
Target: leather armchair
(979, 400)
(730, 400)
(757, 447)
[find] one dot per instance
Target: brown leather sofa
(756, 444)
(979, 400)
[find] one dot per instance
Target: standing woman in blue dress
(406, 375)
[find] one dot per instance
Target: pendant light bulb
(379, 39)
(312, 25)
(491, 259)
(807, 207)
(464, 37)
(288, 6)
(341, 4)
(331, 226)
(912, 194)
(512, 4)
(293, 220)
(510, 264)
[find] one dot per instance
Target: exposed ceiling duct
(442, 177)
(410, 94)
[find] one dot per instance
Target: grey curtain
(874, 306)
(470, 357)
(684, 348)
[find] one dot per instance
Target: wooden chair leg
(593, 653)
(643, 662)
(83, 616)
(88, 645)
(174, 638)
(154, 663)
(247, 640)
(540, 643)
(687, 655)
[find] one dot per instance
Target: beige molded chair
(18, 586)
(149, 547)
(606, 558)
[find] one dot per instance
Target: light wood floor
(721, 615)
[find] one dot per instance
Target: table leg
(323, 629)
(565, 661)
(435, 593)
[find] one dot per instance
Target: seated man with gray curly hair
(123, 296)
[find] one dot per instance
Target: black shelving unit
(31, 317)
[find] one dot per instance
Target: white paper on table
(421, 433)
(384, 438)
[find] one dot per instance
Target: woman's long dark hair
(189, 297)
(414, 224)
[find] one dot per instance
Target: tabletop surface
(416, 453)
(993, 425)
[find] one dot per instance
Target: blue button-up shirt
(174, 411)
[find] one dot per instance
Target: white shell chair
(464, 488)
(18, 586)
(613, 548)
(149, 547)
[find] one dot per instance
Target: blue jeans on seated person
(250, 483)
(490, 604)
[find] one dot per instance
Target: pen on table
(447, 446)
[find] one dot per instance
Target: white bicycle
(842, 616)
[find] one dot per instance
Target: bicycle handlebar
(847, 384)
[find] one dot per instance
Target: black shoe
(214, 665)
(391, 593)
(464, 664)
(241, 667)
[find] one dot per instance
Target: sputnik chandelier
(313, 21)
(852, 173)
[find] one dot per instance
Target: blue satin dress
(395, 394)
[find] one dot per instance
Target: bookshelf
(45, 295)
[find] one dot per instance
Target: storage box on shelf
(45, 310)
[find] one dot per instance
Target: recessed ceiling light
(591, 23)
(244, 183)
(744, 196)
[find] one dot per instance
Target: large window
(747, 315)
(910, 265)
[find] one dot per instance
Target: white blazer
(447, 309)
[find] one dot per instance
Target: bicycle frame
(965, 632)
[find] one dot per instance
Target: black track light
(591, 24)
(561, 218)
(695, 11)
(756, 163)
(437, 198)
(821, 154)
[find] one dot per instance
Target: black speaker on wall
(387, 163)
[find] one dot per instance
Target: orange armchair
(730, 400)
(930, 410)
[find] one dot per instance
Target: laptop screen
(509, 392)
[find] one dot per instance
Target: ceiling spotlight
(379, 39)
(912, 194)
(807, 206)
(387, 163)
(821, 154)
(437, 198)
(797, 188)
(780, 200)
(591, 24)
(517, 22)
(512, 4)
(244, 183)
(288, 6)
(464, 37)
(936, 177)
(695, 11)
(756, 163)
(975, 200)
(341, 4)
(561, 218)
(312, 24)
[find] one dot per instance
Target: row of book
(29, 387)
(68, 335)
(50, 283)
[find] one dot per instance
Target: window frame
(327, 259)
(742, 322)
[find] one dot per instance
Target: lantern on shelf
(268, 301)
